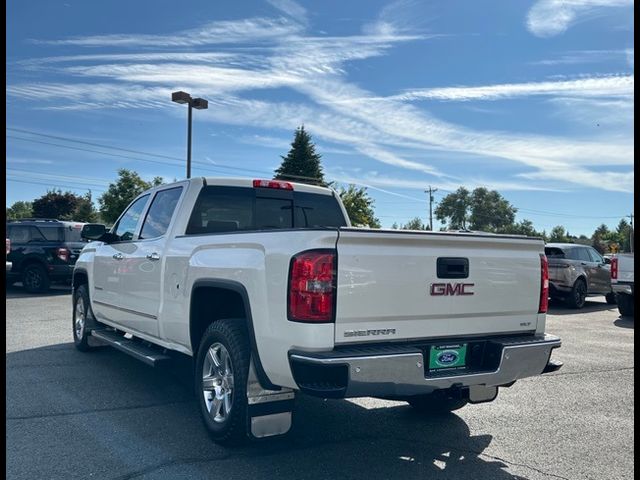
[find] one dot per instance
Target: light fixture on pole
(198, 104)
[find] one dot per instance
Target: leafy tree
(482, 209)
(85, 211)
(453, 209)
(558, 235)
(359, 206)
(302, 163)
(525, 227)
(20, 210)
(56, 204)
(414, 224)
(119, 194)
(395, 226)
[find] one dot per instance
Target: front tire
(625, 305)
(222, 369)
(578, 295)
(83, 319)
(35, 278)
(436, 403)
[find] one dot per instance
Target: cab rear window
(228, 209)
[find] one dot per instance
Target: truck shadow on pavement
(105, 415)
(624, 322)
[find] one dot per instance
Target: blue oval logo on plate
(448, 357)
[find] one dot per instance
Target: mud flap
(482, 393)
(270, 411)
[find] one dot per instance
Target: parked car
(271, 291)
(576, 272)
(42, 251)
(622, 282)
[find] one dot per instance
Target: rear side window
(52, 234)
(25, 234)
(227, 209)
(222, 209)
(554, 252)
(160, 213)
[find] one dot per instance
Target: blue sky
(533, 99)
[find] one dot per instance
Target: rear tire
(578, 295)
(35, 278)
(625, 305)
(610, 298)
(220, 380)
(83, 320)
(436, 403)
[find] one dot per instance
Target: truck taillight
(63, 254)
(312, 284)
(544, 284)
(614, 268)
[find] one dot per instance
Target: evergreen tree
(302, 163)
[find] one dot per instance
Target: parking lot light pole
(198, 104)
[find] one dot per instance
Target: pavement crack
(524, 465)
(97, 410)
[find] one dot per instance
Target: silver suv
(576, 271)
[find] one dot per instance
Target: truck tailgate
(389, 288)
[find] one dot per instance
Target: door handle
(118, 256)
(153, 256)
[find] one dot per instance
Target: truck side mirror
(607, 260)
(93, 231)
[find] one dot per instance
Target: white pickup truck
(272, 292)
(622, 282)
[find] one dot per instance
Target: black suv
(42, 251)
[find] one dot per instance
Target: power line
(54, 185)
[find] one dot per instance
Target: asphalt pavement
(105, 415)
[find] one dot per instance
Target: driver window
(126, 226)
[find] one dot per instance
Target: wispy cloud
(279, 53)
(291, 9)
(548, 18)
(219, 32)
(578, 57)
(608, 86)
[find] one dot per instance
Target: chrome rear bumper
(400, 370)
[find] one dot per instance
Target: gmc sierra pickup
(272, 292)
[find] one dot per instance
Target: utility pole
(431, 191)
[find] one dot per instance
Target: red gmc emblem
(441, 289)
